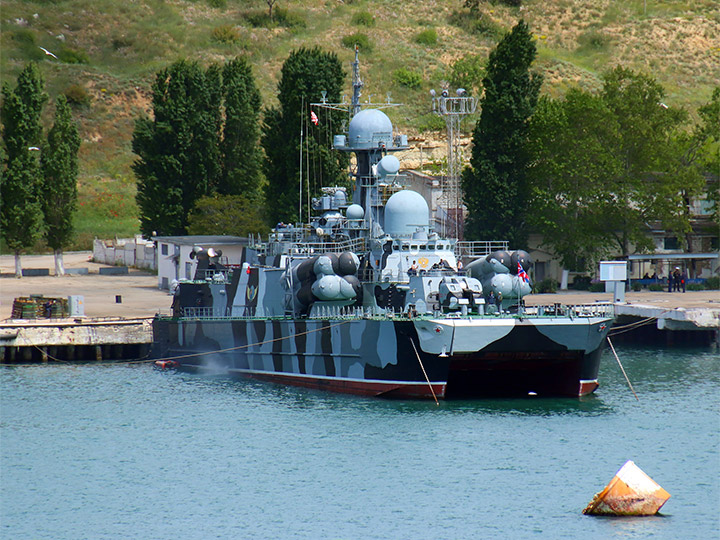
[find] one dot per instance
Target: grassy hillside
(110, 50)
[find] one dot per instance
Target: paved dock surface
(138, 289)
(142, 298)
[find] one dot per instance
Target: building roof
(673, 256)
(202, 240)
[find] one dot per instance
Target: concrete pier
(67, 340)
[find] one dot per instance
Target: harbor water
(129, 451)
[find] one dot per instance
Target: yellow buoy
(631, 492)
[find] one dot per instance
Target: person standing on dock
(683, 279)
(670, 282)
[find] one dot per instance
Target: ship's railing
(356, 245)
(217, 276)
(203, 313)
(570, 310)
(477, 249)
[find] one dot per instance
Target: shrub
(430, 122)
(405, 77)
(596, 287)
(121, 42)
(637, 287)
(581, 283)
(547, 285)
(712, 283)
(24, 36)
(220, 4)
(363, 18)
(695, 286)
(76, 94)
(225, 33)
(484, 26)
(258, 19)
(71, 56)
(359, 39)
(427, 37)
(592, 39)
(288, 19)
(656, 287)
(467, 72)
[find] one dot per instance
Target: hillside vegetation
(109, 51)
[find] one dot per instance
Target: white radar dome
(405, 212)
(370, 128)
(355, 211)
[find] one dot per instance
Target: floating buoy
(166, 364)
(631, 492)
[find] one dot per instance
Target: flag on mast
(314, 118)
(522, 274)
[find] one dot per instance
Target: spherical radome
(405, 212)
(369, 129)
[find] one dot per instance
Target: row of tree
(38, 181)
(590, 171)
(200, 168)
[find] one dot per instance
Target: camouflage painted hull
(458, 358)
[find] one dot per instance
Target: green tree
(59, 162)
(20, 212)
(241, 155)
(571, 150)
(705, 148)
(234, 215)
(495, 185)
(178, 149)
(606, 166)
(304, 76)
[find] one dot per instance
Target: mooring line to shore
(425, 373)
(622, 369)
(190, 355)
(631, 326)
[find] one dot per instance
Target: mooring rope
(191, 355)
(425, 373)
(622, 369)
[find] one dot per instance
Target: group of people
(677, 280)
(442, 264)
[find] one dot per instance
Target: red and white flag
(314, 118)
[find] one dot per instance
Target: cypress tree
(305, 75)
(495, 185)
(59, 189)
(20, 212)
(178, 149)
(241, 156)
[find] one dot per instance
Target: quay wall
(66, 340)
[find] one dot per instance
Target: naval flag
(314, 118)
(522, 274)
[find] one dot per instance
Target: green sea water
(128, 451)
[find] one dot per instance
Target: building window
(671, 242)
(164, 249)
(715, 242)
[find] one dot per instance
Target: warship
(367, 298)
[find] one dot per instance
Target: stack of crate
(39, 307)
